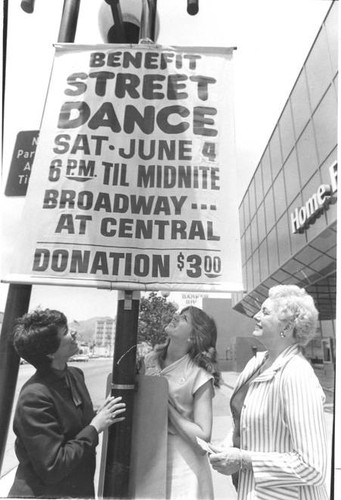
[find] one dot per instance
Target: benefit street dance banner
(133, 183)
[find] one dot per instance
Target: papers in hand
(206, 446)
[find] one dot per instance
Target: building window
(283, 239)
(242, 246)
(254, 235)
(275, 153)
(327, 326)
(300, 104)
(261, 223)
(313, 351)
(264, 267)
(266, 170)
(324, 169)
(318, 69)
(259, 186)
(256, 270)
(325, 123)
(252, 199)
(307, 154)
(309, 196)
(279, 195)
(273, 253)
(249, 273)
(241, 218)
(248, 247)
(287, 131)
(331, 26)
(291, 175)
(245, 281)
(269, 210)
(246, 210)
(327, 352)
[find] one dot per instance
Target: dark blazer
(55, 444)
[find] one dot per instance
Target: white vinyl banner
(134, 179)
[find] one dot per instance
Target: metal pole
(117, 468)
(68, 24)
(118, 19)
(18, 300)
(147, 30)
(19, 295)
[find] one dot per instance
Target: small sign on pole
(21, 164)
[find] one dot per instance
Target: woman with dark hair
(55, 424)
(277, 448)
(188, 361)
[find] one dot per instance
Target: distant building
(105, 336)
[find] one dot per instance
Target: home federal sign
(133, 183)
(302, 217)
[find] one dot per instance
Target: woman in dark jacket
(55, 424)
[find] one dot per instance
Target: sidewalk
(223, 488)
(6, 482)
(222, 421)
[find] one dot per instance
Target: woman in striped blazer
(277, 446)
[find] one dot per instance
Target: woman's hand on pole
(109, 413)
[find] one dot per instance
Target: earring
(282, 335)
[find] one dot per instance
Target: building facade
(288, 214)
(105, 336)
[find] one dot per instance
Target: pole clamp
(124, 387)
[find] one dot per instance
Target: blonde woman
(278, 446)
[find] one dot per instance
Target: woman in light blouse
(278, 444)
(188, 361)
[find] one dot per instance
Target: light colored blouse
(184, 379)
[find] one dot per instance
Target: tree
(155, 313)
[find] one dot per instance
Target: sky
(272, 40)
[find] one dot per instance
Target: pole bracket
(124, 387)
(128, 301)
(128, 296)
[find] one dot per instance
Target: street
(96, 372)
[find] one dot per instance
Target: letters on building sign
(302, 217)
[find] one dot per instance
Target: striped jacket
(282, 426)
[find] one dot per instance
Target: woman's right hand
(109, 414)
(227, 461)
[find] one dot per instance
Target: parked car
(80, 357)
